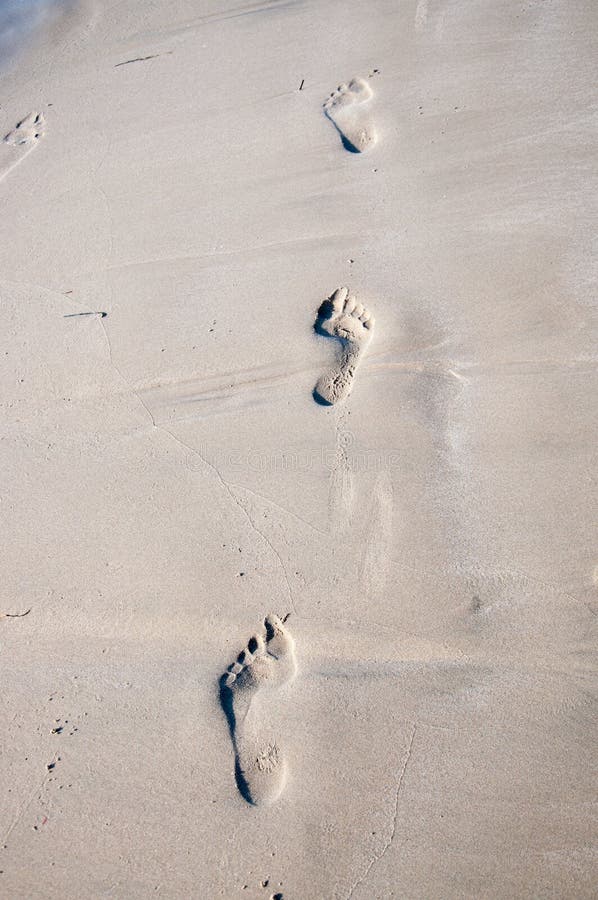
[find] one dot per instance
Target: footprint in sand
(27, 131)
(348, 110)
(21, 141)
(250, 695)
(341, 316)
(377, 545)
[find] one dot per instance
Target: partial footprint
(21, 141)
(341, 316)
(378, 543)
(348, 110)
(27, 131)
(250, 697)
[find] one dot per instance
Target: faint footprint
(21, 141)
(341, 316)
(378, 543)
(348, 110)
(250, 694)
(341, 487)
(27, 131)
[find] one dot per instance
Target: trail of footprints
(251, 688)
(341, 316)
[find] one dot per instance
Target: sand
(417, 716)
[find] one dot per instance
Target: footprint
(21, 141)
(28, 131)
(378, 544)
(348, 110)
(343, 317)
(250, 695)
(341, 486)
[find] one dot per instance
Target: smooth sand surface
(170, 479)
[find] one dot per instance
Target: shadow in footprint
(321, 401)
(325, 312)
(347, 143)
(226, 694)
(226, 702)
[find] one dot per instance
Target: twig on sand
(15, 615)
(99, 312)
(127, 62)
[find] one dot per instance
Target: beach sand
(417, 717)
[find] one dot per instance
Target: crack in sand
(282, 509)
(264, 538)
(376, 858)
